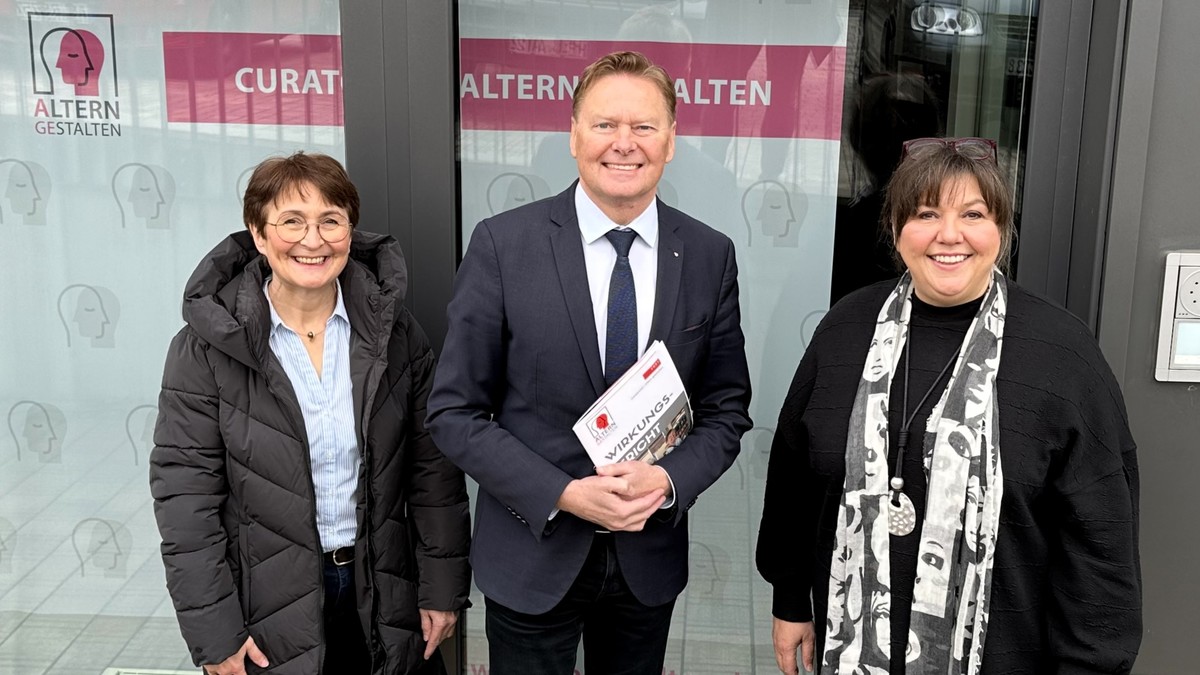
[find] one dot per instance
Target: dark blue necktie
(620, 346)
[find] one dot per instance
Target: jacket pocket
(688, 335)
(687, 346)
(244, 563)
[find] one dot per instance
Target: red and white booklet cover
(644, 415)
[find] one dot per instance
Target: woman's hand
(789, 635)
(436, 626)
(236, 664)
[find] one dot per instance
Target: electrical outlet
(1189, 292)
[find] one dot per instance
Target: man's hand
(787, 636)
(236, 664)
(436, 626)
(642, 478)
(602, 500)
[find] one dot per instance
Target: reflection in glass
(923, 69)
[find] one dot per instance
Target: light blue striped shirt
(327, 403)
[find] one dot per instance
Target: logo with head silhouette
(773, 214)
(73, 62)
(101, 547)
(37, 430)
(73, 54)
(89, 315)
(144, 194)
(139, 429)
(26, 192)
(510, 190)
(8, 545)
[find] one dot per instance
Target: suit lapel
(567, 244)
(670, 270)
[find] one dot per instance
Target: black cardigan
(1066, 591)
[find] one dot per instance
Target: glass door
(790, 119)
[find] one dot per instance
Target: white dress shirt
(600, 257)
(327, 404)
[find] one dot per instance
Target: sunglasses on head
(981, 149)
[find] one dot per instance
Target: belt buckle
(339, 559)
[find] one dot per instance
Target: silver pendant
(902, 517)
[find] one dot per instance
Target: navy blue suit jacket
(521, 363)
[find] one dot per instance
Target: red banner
(253, 78)
(763, 91)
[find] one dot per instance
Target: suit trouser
(621, 636)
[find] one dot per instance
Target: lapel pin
(676, 253)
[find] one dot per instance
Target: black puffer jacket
(233, 491)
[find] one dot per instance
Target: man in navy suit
(541, 322)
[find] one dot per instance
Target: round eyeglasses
(294, 229)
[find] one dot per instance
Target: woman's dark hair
(279, 175)
(920, 180)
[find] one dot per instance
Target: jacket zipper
(312, 493)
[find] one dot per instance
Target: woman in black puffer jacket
(309, 523)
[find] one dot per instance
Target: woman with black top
(952, 486)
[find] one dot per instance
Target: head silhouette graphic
(667, 193)
(808, 327)
(26, 188)
(8, 542)
(89, 312)
(751, 462)
(148, 198)
(775, 219)
(37, 430)
(709, 565)
(79, 59)
(757, 445)
(243, 180)
(101, 546)
(139, 429)
(510, 190)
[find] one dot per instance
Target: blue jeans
(345, 648)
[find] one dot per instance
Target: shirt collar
(339, 307)
(593, 224)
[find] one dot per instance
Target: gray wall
(400, 91)
(1154, 210)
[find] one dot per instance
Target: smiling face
(950, 247)
(622, 137)
(311, 264)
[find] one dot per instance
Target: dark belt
(340, 556)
